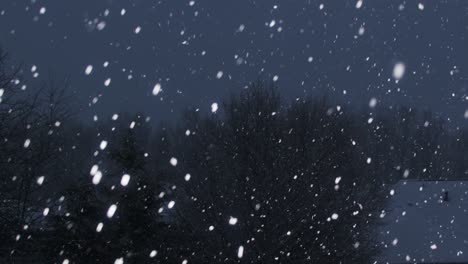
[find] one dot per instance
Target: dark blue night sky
(342, 48)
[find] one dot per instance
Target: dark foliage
(295, 182)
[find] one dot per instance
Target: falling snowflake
(157, 89)
(111, 210)
(232, 220)
(171, 204)
(27, 142)
(103, 145)
(97, 177)
(40, 180)
(359, 4)
(89, 69)
(125, 180)
(399, 70)
(272, 23)
(93, 170)
(187, 177)
(240, 251)
(214, 107)
(372, 102)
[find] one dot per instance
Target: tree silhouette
(288, 182)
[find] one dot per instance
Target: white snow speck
(395, 242)
(240, 252)
(466, 114)
(125, 179)
(65, 261)
(107, 82)
(359, 4)
(406, 173)
(361, 31)
(111, 210)
(334, 216)
(421, 6)
(399, 70)
(103, 145)
(99, 227)
(369, 160)
(93, 170)
(137, 30)
(219, 75)
(321, 6)
(101, 25)
(372, 102)
(433, 246)
(89, 69)
(211, 228)
(153, 253)
(157, 89)
(187, 177)
(173, 161)
(275, 78)
(42, 10)
(171, 204)
(272, 23)
(27, 142)
(40, 180)
(45, 212)
(232, 220)
(97, 177)
(119, 261)
(214, 107)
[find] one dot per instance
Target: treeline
(262, 180)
